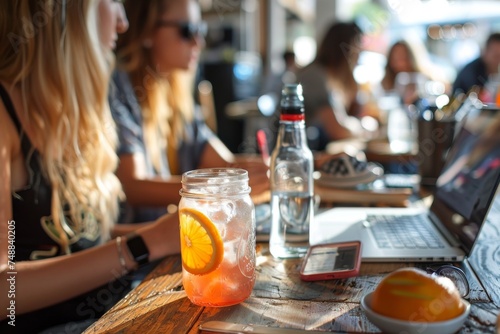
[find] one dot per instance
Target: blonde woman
(59, 195)
(162, 133)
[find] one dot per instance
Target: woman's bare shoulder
(11, 158)
(8, 133)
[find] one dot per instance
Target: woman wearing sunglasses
(59, 194)
(162, 133)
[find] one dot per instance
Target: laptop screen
(469, 179)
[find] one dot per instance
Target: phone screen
(328, 259)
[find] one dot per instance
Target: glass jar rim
(201, 175)
(198, 182)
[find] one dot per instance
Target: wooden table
(281, 299)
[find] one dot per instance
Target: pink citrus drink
(223, 287)
(217, 221)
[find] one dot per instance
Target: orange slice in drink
(202, 249)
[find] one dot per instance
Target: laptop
(445, 231)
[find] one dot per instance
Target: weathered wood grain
(281, 299)
(485, 257)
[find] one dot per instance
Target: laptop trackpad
(341, 226)
(338, 225)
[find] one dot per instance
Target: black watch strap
(138, 248)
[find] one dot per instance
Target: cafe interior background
(246, 40)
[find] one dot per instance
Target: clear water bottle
(292, 185)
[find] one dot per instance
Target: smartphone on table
(331, 261)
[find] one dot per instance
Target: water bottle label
(292, 117)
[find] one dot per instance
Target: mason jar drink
(217, 231)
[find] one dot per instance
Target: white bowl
(391, 325)
(370, 174)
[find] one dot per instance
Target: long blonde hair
(60, 68)
(166, 102)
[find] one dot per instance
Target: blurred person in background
(59, 196)
(162, 132)
(408, 69)
(401, 59)
(477, 73)
(330, 90)
(274, 83)
(290, 61)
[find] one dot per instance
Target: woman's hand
(253, 165)
(162, 237)
(258, 173)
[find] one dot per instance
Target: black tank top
(36, 237)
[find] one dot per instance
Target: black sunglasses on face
(187, 30)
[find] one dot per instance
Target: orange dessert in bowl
(413, 301)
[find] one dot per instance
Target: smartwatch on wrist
(138, 248)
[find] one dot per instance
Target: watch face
(138, 249)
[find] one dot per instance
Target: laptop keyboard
(403, 232)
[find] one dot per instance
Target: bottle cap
(292, 89)
(292, 102)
